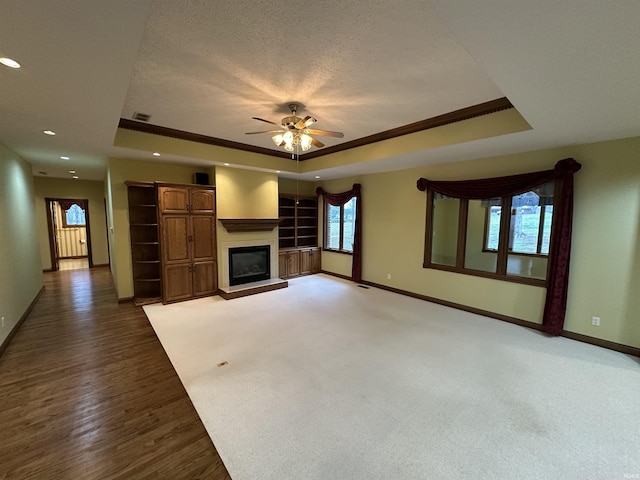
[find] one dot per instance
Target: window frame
(502, 253)
(325, 246)
(486, 249)
(73, 225)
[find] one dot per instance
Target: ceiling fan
(294, 131)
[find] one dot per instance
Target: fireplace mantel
(249, 224)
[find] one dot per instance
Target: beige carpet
(326, 380)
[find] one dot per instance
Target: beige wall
(244, 194)
(300, 187)
(78, 189)
(20, 268)
(120, 171)
(605, 264)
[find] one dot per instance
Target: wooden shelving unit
(298, 221)
(145, 244)
(298, 236)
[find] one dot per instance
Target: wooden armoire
(187, 217)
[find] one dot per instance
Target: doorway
(69, 233)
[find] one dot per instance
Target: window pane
(546, 229)
(333, 227)
(75, 215)
(349, 225)
(527, 266)
(493, 227)
(525, 223)
(444, 240)
(476, 257)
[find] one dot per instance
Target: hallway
(88, 392)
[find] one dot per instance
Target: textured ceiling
(359, 67)
(570, 68)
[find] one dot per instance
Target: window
(73, 217)
(477, 238)
(530, 226)
(340, 223)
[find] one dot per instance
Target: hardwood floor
(87, 392)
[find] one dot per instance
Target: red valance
(337, 199)
(66, 203)
(560, 248)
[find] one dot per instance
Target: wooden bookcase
(298, 221)
(298, 236)
(145, 244)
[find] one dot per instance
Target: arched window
(73, 217)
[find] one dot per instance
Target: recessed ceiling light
(317, 176)
(49, 132)
(64, 157)
(72, 172)
(75, 177)
(155, 154)
(226, 164)
(277, 171)
(9, 62)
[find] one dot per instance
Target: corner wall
(605, 260)
(20, 267)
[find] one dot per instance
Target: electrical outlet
(2, 321)
(388, 276)
(595, 321)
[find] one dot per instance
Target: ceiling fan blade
(316, 143)
(326, 133)
(265, 121)
(264, 131)
(305, 122)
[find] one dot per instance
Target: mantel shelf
(249, 224)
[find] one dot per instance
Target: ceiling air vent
(142, 117)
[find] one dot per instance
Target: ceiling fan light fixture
(278, 140)
(305, 142)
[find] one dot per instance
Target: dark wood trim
(47, 270)
(50, 229)
(126, 300)
(536, 282)
(344, 277)
(100, 265)
(249, 224)
(457, 306)
(439, 121)
(463, 217)
(16, 327)
(618, 347)
(467, 113)
(197, 138)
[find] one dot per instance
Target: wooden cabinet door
(203, 201)
(173, 199)
(177, 282)
(175, 239)
(203, 238)
(282, 265)
(316, 263)
(305, 262)
(205, 278)
(293, 263)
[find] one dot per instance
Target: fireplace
(249, 264)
